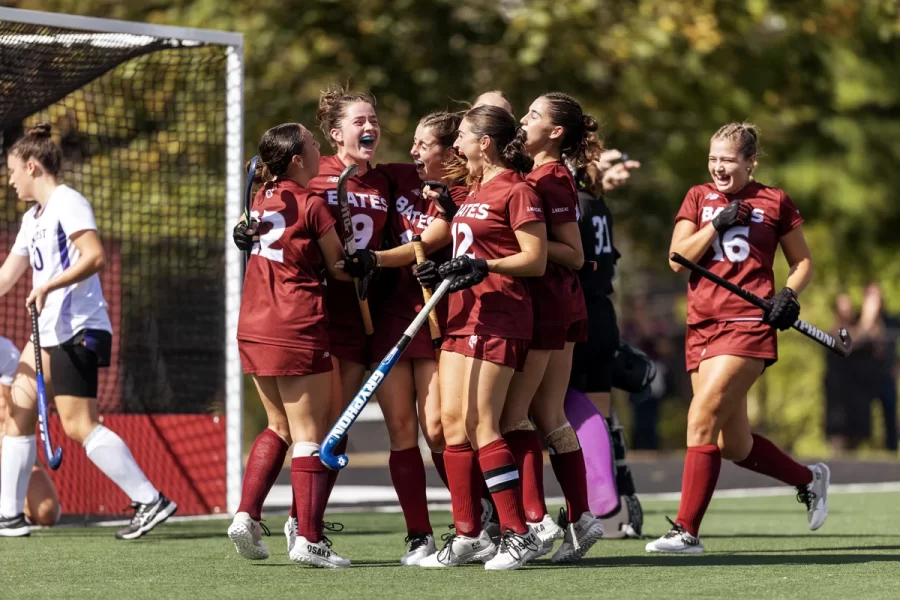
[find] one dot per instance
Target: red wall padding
(183, 455)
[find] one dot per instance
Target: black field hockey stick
(248, 200)
(841, 347)
(53, 457)
(350, 240)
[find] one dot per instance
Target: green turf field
(756, 548)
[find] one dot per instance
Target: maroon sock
(309, 480)
(438, 459)
(526, 449)
(766, 458)
(263, 466)
(333, 475)
(701, 472)
(408, 476)
(502, 478)
(572, 477)
(464, 481)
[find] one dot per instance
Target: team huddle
(509, 215)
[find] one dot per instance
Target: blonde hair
(744, 136)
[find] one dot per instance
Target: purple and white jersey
(9, 360)
(46, 238)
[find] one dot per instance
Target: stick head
(844, 345)
(335, 463)
(55, 459)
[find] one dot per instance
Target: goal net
(149, 121)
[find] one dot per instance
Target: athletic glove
(736, 213)
(783, 309)
(427, 274)
(444, 201)
(468, 271)
(244, 236)
(360, 263)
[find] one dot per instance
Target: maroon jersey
(557, 295)
(743, 255)
(367, 195)
(410, 215)
(484, 227)
(283, 301)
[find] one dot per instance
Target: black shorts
(74, 363)
(592, 361)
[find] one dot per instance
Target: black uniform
(592, 365)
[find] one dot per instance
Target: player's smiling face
(19, 178)
(428, 154)
(729, 169)
(359, 132)
(540, 131)
(469, 146)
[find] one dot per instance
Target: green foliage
(821, 79)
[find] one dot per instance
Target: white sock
(112, 456)
(18, 457)
(302, 449)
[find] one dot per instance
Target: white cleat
(246, 534)
(317, 554)
(676, 541)
(290, 532)
(548, 531)
(489, 521)
(579, 538)
(815, 496)
(516, 550)
(461, 550)
(420, 546)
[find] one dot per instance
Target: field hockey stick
(350, 240)
(841, 347)
(248, 199)
(352, 412)
(54, 458)
(433, 324)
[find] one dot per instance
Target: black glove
(736, 213)
(468, 271)
(360, 263)
(244, 236)
(783, 309)
(444, 201)
(427, 274)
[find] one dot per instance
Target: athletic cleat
(579, 538)
(815, 496)
(548, 532)
(14, 526)
(317, 554)
(516, 550)
(420, 546)
(461, 550)
(676, 541)
(146, 517)
(246, 534)
(489, 521)
(290, 532)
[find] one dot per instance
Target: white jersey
(9, 360)
(46, 239)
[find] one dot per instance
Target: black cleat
(146, 517)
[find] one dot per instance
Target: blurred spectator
(870, 372)
(651, 334)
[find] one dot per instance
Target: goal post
(150, 121)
